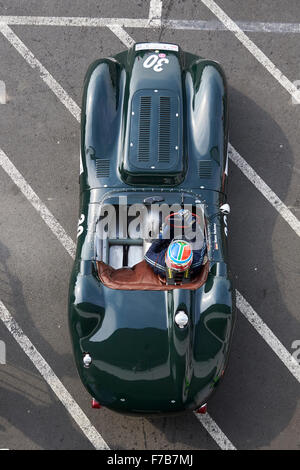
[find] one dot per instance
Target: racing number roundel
(155, 62)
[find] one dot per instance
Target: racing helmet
(179, 256)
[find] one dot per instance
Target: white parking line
(253, 49)
(3, 95)
(155, 10)
(264, 189)
(122, 35)
(213, 429)
(288, 360)
(200, 25)
(39, 206)
(44, 74)
(77, 21)
(248, 26)
(52, 380)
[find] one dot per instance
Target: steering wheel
(168, 220)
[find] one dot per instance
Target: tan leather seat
(142, 277)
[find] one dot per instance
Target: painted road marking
(213, 429)
(248, 26)
(264, 189)
(43, 72)
(253, 49)
(122, 35)
(288, 360)
(39, 206)
(76, 21)
(199, 25)
(3, 97)
(128, 40)
(155, 11)
(52, 380)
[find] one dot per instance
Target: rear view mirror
(225, 209)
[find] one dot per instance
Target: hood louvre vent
(102, 167)
(144, 129)
(155, 138)
(164, 131)
(205, 169)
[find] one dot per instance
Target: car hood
(142, 361)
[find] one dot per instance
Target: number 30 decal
(225, 225)
(155, 62)
(80, 227)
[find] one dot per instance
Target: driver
(174, 259)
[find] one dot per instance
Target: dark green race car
(154, 140)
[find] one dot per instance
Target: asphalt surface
(257, 406)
